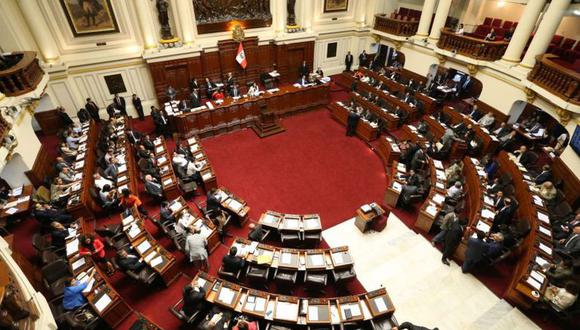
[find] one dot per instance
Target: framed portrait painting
(331, 6)
(90, 17)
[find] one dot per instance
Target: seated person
(46, 213)
(570, 246)
(487, 121)
(474, 113)
(255, 233)
(459, 30)
(67, 152)
(561, 143)
(100, 182)
(193, 298)
(165, 213)
(422, 127)
(254, 90)
(67, 175)
(73, 297)
(109, 196)
(455, 191)
(455, 165)
(545, 175)
(213, 202)
(127, 261)
(245, 325)
(561, 298)
(59, 191)
(184, 220)
(523, 156)
(559, 274)
(231, 263)
(58, 235)
(479, 250)
(490, 36)
(153, 187)
(216, 319)
(235, 91)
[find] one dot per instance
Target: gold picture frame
(333, 6)
(90, 17)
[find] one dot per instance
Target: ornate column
(279, 16)
(360, 13)
(307, 14)
(40, 30)
(545, 32)
(440, 18)
(426, 17)
(185, 15)
(146, 23)
(525, 27)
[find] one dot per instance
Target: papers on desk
(175, 206)
(488, 200)
(366, 208)
(11, 210)
(533, 283)
(150, 256)
(122, 168)
(312, 223)
(77, 264)
(431, 210)
(72, 247)
(291, 224)
(350, 310)
(538, 200)
(538, 276)
(481, 173)
(89, 287)
(102, 302)
(235, 205)
(121, 178)
(440, 175)
(286, 258)
(79, 164)
(16, 192)
(440, 185)
(545, 248)
(161, 160)
(313, 313)
(126, 221)
(121, 188)
(541, 261)
(286, 311)
(134, 231)
(380, 303)
(10, 205)
(159, 149)
(487, 213)
(268, 218)
(438, 164)
(401, 167)
(483, 227)
(143, 246)
(543, 217)
(397, 186)
(316, 259)
(157, 261)
(338, 258)
(545, 231)
(71, 233)
(209, 105)
(264, 259)
(206, 176)
(78, 176)
(226, 295)
(167, 181)
(438, 198)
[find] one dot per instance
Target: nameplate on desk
(167, 182)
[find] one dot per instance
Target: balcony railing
(398, 26)
(556, 78)
(20, 73)
(472, 47)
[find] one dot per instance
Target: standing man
(352, 122)
(64, 117)
(83, 115)
(363, 58)
(120, 104)
(93, 109)
(303, 70)
(138, 106)
(348, 61)
(195, 100)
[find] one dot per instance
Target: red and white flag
(241, 56)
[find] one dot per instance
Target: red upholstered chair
(568, 43)
(515, 25)
(487, 21)
(556, 40)
(499, 33)
(496, 22)
(404, 11)
(507, 25)
(481, 31)
(572, 55)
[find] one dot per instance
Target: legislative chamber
(289, 164)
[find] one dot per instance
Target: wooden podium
(268, 123)
(365, 220)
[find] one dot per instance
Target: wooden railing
(472, 47)
(22, 76)
(399, 27)
(556, 79)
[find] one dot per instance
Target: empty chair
(41, 243)
(290, 237)
(312, 238)
(54, 276)
(177, 311)
(285, 279)
(496, 23)
(343, 275)
(257, 275)
(230, 276)
(507, 25)
(315, 281)
(487, 21)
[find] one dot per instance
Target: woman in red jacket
(95, 248)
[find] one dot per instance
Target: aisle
(423, 290)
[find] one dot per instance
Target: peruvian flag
(241, 57)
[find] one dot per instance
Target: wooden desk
(234, 205)
(208, 175)
(489, 142)
(299, 259)
(432, 205)
(391, 121)
(147, 247)
(230, 114)
(364, 129)
(103, 298)
(388, 150)
(286, 309)
(80, 202)
(364, 218)
(309, 223)
(391, 100)
(169, 181)
(18, 204)
(458, 148)
(208, 229)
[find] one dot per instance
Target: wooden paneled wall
(217, 64)
(43, 167)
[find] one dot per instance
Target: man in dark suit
(363, 59)
(229, 82)
(112, 170)
(61, 163)
(64, 117)
(165, 213)
(193, 299)
(138, 106)
(303, 69)
(474, 253)
(475, 114)
(499, 201)
(352, 122)
(255, 234)
(213, 202)
(128, 261)
(232, 263)
(83, 115)
(93, 109)
(120, 104)
(193, 85)
(195, 100)
(133, 136)
(348, 60)
(235, 91)
(503, 216)
(545, 175)
(523, 156)
(571, 245)
(152, 187)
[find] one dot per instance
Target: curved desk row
(490, 142)
(236, 113)
(293, 227)
(208, 229)
(364, 129)
(391, 100)
(371, 306)
(390, 119)
(295, 259)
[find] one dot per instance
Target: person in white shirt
(184, 220)
(487, 120)
(72, 141)
(254, 90)
(455, 191)
(561, 298)
(460, 30)
(100, 182)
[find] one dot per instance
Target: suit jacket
(111, 171)
(83, 115)
(502, 217)
(134, 137)
(348, 59)
(213, 203)
(154, 188)
(93, 110)
(303, 70)
(499, 203)
(120, 103)
(232, 264)
(572, 245)
(362, 59)
(476, 249)
(234, 92)
(543, 177)
(165, 215)
(137, 104)
(525, 158)
(65, 119)
(130, 262)
(195, 102)
(192, 301)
